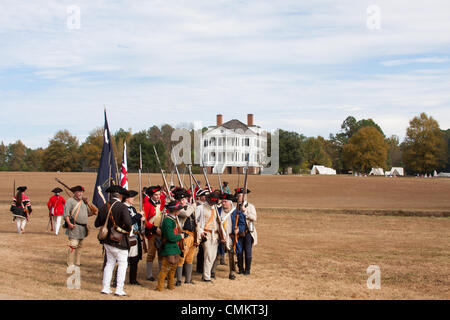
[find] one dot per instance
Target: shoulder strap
(78, 210)
(109, 212)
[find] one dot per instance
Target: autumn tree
(394, 152)
(34, 159)
(120, 137)
(16, 156)
(424, 148)
(315, 153)
(62, 153)
(446, 134)
(3, 157)
(336, 143)
(154, 134)
(91, 149)
(366, 149)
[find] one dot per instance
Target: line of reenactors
(174, 227)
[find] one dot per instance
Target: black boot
(240, 263)
(200, 259)
(248, 264)
(133, 273)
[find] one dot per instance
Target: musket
(240, 206)
(193, 178)
(222, 233)
(190, 183)
(179, 178)
(91, 206)
(162, 174)
(144, 243)
(220, 182)
(192, 202)
(178, 173)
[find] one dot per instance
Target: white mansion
(226, 146)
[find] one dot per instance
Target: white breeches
(115, 255)
(57, 223)
(21, 224)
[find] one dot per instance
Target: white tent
(444, 174)
(395, 171)
(322, 170)
(376, 172)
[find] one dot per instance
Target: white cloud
(399, 62)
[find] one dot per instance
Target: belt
(189, 232)
(210, 231)
(81, 224)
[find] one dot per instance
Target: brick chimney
(250, 119)
(219, 120)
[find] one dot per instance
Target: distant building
(227, 146)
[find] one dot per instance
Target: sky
(302, 66)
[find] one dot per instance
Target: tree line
(359, 146)
(362, 145)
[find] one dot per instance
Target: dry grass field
(317, 236)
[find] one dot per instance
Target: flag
(124, 168)
(107, 170)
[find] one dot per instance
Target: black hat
(130, 194)
(77, 188)
(116, 189)
(57, 190)
(152, 189)
(241, 190)
(174, 206)
(22, 189)
(179, 194)
(202, 192)
(225, 183)
(213, 197)
(227, 196)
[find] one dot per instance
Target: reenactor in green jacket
(172, 239)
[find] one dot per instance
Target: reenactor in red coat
(56, 209)
(154, 211)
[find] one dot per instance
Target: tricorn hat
(22, 188)
(77, 188)
(57, 190)
(174, 206)
(152, 189)
(227, 196)
(213, 197)
(130, 193)
(241, 190)
(116, 189)
(202, 192)
(179, 194)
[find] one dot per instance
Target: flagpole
(140, 179)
